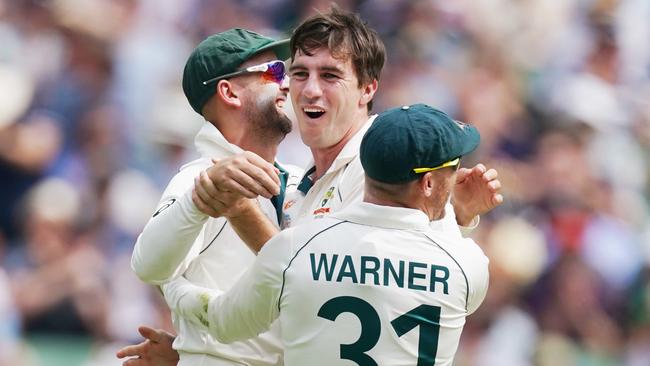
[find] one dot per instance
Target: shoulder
(184, 179)
(294, 238)
(465, 251)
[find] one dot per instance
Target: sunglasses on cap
(454, 163)
(271, 71)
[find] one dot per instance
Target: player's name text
(379, 272)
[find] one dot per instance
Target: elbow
(148, 272)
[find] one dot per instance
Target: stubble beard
(265, 117)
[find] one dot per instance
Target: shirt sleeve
(478, 274)
(170, 239)
(465, 231)
(248, 308)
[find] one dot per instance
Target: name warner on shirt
(379, 272)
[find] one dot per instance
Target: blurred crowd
(93, 123)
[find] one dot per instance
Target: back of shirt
(377, 295)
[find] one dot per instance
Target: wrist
(243, 209)
(463, 216)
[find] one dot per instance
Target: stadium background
(93, 123)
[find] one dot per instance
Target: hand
(246, 174)
(155, 350)
(228, 187)
(217, 203)
(476, 192)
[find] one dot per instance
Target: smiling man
(235, 80)
(372, 284)
(336, 65)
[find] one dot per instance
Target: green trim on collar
(306, 183)
(278, 200)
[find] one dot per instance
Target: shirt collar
(365, 213)
(347, 154)
(210, 143)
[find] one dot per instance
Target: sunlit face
(263, 100)
(326, 98)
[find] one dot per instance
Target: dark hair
(346, 35)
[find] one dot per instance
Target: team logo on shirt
(327, 196)
(320, 212)
(288, 204)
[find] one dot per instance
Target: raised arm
(476, 192)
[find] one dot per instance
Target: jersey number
(425, 316)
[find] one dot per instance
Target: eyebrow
(322, 68)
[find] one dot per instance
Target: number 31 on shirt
(427, 317)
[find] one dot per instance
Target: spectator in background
(57, 280)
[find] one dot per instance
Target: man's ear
(427, 184)
(369, 92)
(227, 92)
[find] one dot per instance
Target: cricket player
(337, 61)
(372, 284)
(235, 80)
(334, 74)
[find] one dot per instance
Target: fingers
(462, 174)
(246, 174)
(479, 169)
(202, 206)
(130, 351)
(209, 190)
(497, 199)
(259, 176)
(490, 175)
(206, 192)
(267, 167)
(249, 182)
(150, 333)
(494, 185)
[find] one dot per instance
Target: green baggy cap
(220, 54)
(411, 137)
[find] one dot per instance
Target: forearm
(246, 310)
(253, 227)
(463, 218)
(166, 241)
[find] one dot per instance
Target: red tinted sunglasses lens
(275, 72)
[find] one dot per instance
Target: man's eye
(298, 74)
(329, 76)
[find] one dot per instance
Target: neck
(249, 139)
(382, 201)
(324, 157)
(266, 148)
(406, 195)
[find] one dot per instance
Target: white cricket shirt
(181, 240)
(342, 185)
(368, 285)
